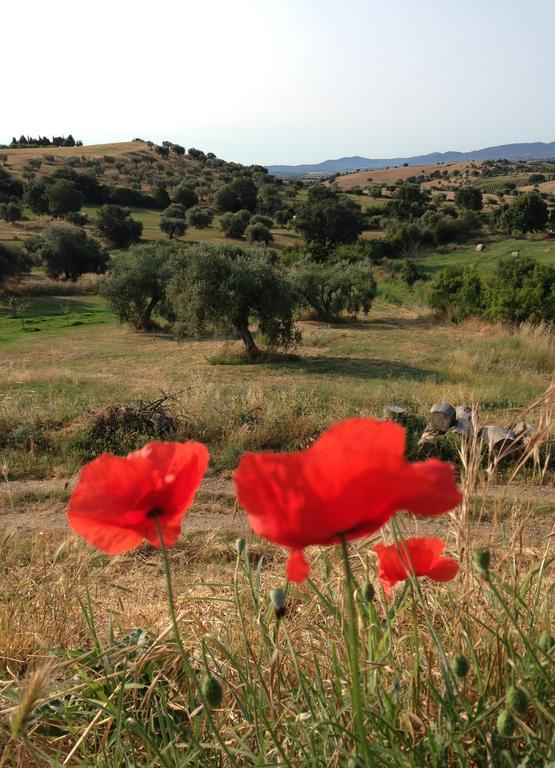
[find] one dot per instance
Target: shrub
(117, 227)
(238, 194)
(199, 217)
(469, 198)
(13, 263)
(258, 233)
(259, 218)
(458, 293)
(522, 290)
(233, 225)
(77, 218)
(411, 271)
(527, 213)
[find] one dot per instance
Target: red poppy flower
(425, 556)
(348, 483)
(118, 502)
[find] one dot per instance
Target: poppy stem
(353, 652)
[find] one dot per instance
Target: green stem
(185, 658)
(353, 650)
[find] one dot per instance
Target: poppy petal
(431, 488)
(108, 538)
(297, 567)
(444, 570)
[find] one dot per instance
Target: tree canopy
(228, 289)
(117, 227)
(67, 252)
(136, 283)
(328, 219)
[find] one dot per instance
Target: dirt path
(39, 506)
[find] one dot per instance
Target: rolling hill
(531, 151)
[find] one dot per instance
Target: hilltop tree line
(44, 141)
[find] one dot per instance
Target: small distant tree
(62, 197)
(527, 213)
(332, 288)
(260, 218)
(410, 201)
(469, 198)
(536, 178)
(13, 263)
(199, 217)
(68, 252)
(10, 212)
(233, 225)
(239, 193)
(35, 197)
(328, 218)
(185, 195)
(172, 221)
(117, 227)
(258, 233)
(136, 284)
(229, 289)
(411, 271)
(10, 187)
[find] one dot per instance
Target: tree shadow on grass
(360, 368)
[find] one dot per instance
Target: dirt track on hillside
(38, 506)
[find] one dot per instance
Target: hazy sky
(282, 81)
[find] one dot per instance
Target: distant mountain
(535, 151)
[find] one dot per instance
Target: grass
(486, 261)
(90, 671)
(92, 675)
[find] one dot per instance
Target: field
(102, 666)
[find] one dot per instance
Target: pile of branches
(151, 418)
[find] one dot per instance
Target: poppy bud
(546, 642)
(277, 596)
(352, 762)
(517, 699)
(212, 691)
(460, 666)
(240, 545)
(481, 559)
(369, 592)
(505, 723)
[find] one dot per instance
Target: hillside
(524, 151)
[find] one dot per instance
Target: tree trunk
(248, 341)
(148, 312)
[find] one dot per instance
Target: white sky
(281, 81)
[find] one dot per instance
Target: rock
(395, 413)
(515, 254)
(463, 412)
(442, 417)
(480, 247)
(463, 427)
(500, 440)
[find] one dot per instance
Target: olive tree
(228, 289)
(136, 284)
(332, 288)
(172, 221)
(67, 252)
(116, 226)
(328, 218)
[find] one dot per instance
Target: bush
(233, 225)
(258, 233)
(238, 194)
(527, 213)
(458, 293)
(259, 218)
(411, 271)
(199, 217)
(77, 218)
(469, 198)
(9, 186)
(117, 227)
(522, 290)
